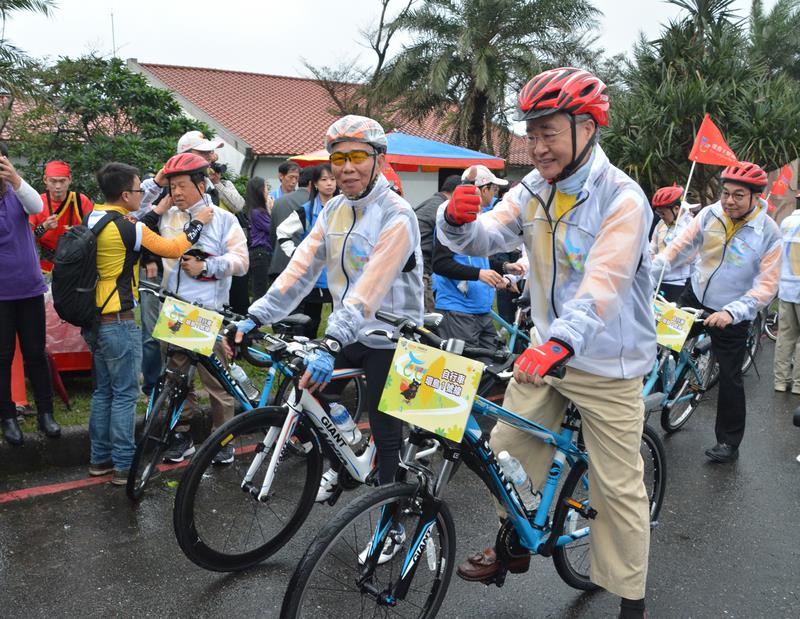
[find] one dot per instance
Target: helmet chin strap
(371, 184)
(573, 165)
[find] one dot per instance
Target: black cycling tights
(386, 430)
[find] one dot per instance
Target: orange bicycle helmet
(746, 173)
(667, 196)
(185, 163)
(569, 90)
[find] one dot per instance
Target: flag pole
(681, 210)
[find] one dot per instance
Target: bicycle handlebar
(163, 293)
(408, 328)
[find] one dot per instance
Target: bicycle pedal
(586, 512)
(337, 492)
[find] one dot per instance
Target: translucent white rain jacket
(224, 249)
(591, 287)
(790, 265)
(663, 235)
(370, 248)
(738, 274)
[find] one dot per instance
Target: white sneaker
(327, 485)
(391, 546)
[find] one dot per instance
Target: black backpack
(75, 274)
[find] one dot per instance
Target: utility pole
(113, 37)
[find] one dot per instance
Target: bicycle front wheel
(330, 576)
(151, 445)
(219, 522)
(753, 343)
(655, 470)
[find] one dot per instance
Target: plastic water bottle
(244, 381)
(345, 424)
(517, 475)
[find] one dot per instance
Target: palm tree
(13, 60)
(703, 62)
(468, 57)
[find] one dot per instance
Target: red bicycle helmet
(667, 196)
(566, 89)
(746, 173)
(185, 163)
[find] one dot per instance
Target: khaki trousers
(786, 346)
(612, 414)
(222, 402)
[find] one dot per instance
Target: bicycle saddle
(295, 320)
(432, 320)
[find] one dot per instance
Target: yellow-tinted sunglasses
(354, 156)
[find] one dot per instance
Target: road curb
(71, 449)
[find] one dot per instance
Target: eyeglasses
(738, 196)
(548, 138)
(354, 156)
(135, 190)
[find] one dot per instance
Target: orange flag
(710, 147)
(781, 183)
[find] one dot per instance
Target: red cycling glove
(464, 206)
(541, 359)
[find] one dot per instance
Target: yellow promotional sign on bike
(430, 388)
(187, 326)
(672, 325)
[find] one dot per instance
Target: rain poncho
(590, 288)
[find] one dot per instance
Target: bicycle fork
(274, 435)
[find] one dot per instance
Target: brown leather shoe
(484, 565)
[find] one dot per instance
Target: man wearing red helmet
(673, 220)
(735, 250)
(204, 275)
(584, 224)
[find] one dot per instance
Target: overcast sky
(270, 36)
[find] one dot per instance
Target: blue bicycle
(346, 565)
(676, 384)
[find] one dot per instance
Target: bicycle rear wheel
(771, 320)
(222, 526)
(573, 561)
(329, 577)
(152, 443)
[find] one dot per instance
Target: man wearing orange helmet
(584, 224)
(735, 248)
(673, 220)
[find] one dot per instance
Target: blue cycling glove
(246, 325)
(319, 363)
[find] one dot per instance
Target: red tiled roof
(277, 115)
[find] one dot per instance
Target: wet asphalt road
(728, 542)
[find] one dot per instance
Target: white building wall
(418, 186)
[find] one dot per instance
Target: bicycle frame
(533, 535)
(306, 405)
(216, 368)
(513, 329)
(670, 378)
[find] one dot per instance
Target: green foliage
(703, 63)
(13, 60)
(91, 111)
(468, 58)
